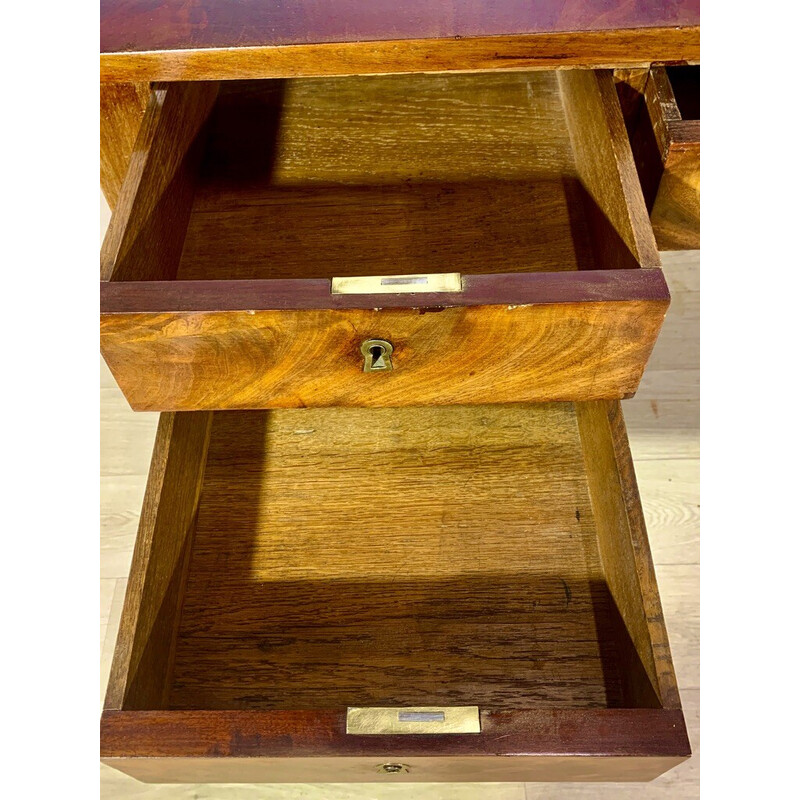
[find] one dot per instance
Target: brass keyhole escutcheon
(377, 355)
(392, 769)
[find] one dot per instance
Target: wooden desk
(266, 596)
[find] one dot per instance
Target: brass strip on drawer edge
(416, 719)
(397, 284)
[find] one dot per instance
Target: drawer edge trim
(542, 288)
(234, 734)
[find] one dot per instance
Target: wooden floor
(663, 422)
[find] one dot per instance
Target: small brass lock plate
(377, 355)
(397, 284)
(427, 719)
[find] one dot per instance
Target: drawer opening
(665, 141)
(685, 83)
(325, 558)
(314, 178)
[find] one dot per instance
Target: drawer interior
(315, 178)
(685, 83)
(665, 141)
(325, 558)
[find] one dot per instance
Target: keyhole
(392, 769)
(377, 355)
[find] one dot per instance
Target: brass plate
(422, 719)
(397, 284)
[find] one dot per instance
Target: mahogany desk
(387, 270)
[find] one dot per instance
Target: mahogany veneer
(141, 40)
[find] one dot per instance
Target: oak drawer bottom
(291, 564)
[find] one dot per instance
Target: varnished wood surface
(662, 424)
(291, 602)
(390, 574)
(676, 211)
(607, 733)
(127, 25)
(122, 107)
(219, 39)
(389, 174)
(613, 48)
(290, 359)
(280, 157)
(352, 773)
(141, 677)
(584, 745)
(297, 294)
(666, 145)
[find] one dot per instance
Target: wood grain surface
(622, 744)
(169, 24)
(286, 359)
(298, 597)
(213, 39)
(145, 236)
(389, 576)
(662, 424)
(389, 174)
(617, 215)
(667, 151)
(141, 672)
(280, 157)
(122, 107)
(676, 211)
(617, 48)
(366, 175)
(624, 548)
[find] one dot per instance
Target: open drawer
(459, 593)
(665, 137)
(511, 200)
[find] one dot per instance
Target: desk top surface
(147, 25)
(178, 40)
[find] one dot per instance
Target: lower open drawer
(294, 564)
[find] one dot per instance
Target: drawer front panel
(235, 359)
(278, 747)
(464, 769)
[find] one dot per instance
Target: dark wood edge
(535, 288)
(231, 734)
(665, 669)
(673, 133)
(123, 648)
(180, 447)
(624, 47)
(684, 134)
